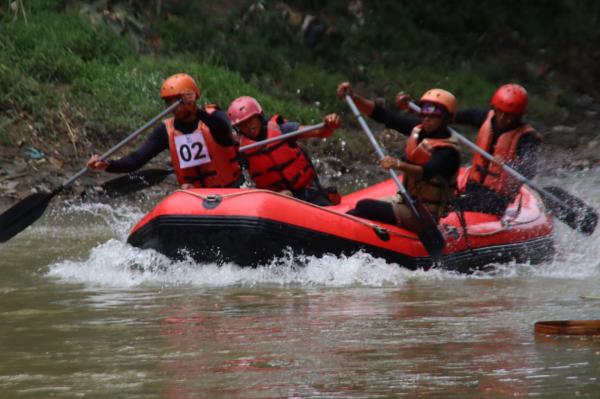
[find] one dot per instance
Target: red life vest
(280, 165)
(199, 160)
(436, 192)
(489, 174)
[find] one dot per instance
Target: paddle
(566, 207)
(132, 182)
(28, 210)
(428, 232)
(146, 178)
(283, 137)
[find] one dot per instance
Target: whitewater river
(82, 314)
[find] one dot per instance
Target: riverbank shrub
(55, 63)
(55, 59)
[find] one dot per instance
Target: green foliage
(116, 98)
(54, 47)
(53, 61)
(49, 50)
(53, 58)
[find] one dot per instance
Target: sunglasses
(430, 109)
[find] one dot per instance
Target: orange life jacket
(489, 174)
(280, 165)
(436, 192)
(199, 160)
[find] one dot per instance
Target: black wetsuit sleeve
(526, 161)
(471, 117)
(219, 126)
(289, 127)
(156, 142)
(444, 162)
(395, 120)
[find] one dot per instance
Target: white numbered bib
(192, 150)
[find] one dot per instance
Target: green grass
(59, 63)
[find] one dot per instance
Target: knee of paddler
(333, 195)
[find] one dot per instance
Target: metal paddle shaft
(146, 178)
(569, 209)
(377, 148)
(430, 235)
(31, 208)
(286, 136)
(490, 158)
(126, 140)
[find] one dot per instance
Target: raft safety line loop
(356, 219)
(256, 191)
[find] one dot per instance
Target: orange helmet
(440, 97)
(177, 85)
(510, 98)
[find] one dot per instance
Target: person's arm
(219, 126)
(363, 104)
(289, 127)
(331, 121)
(392, 119)
(156, 142)
(526, 160)
(443, 162)
(471, 117)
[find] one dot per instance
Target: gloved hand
(95, 163)
(402, 100)
(332, 122)
(343, 89)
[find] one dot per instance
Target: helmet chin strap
(263, 129)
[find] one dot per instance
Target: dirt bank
(32, 164)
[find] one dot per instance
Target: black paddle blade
(429, 233)
(135, 181)
(572, 211)
(23, 214)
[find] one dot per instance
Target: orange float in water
(568, 327)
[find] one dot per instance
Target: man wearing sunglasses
(200, 140)
(431, 160)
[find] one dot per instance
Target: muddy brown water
(82, 314)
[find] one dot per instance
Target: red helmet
(510, 98)
(242, 109)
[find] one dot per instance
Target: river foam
(114, 263)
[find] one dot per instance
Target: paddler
(281, 166)
(431, 160)
(504, 134)
(200, 140)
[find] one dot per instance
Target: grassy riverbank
(69, 64)
(76, 76)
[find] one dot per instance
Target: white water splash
(116, 264)
(117, 220)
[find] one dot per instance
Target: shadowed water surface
(82, 314)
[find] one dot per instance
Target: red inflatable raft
(251, 227)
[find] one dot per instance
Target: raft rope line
(511, 222)
(506, 225)
(356, 219)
